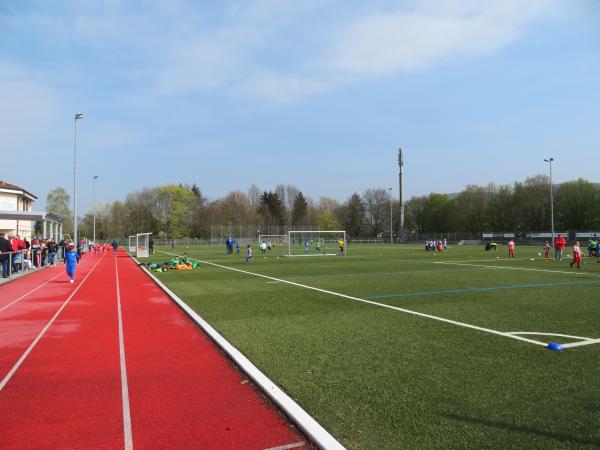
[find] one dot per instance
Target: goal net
(142, 245)
(132, 243)
(316, 243)
(277, 243)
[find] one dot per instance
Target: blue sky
(319, 94)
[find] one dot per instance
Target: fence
(30, 259)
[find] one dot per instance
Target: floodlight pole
(400, 174)
(549, 161)
(391, 212)
(78, 116)
(94, 204)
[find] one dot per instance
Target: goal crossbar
(337, 238)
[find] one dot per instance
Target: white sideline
(24, 356)
(299, 416)
(581, 343)
(31, 291)
(518, 268)
(127, 435)
(383, 305)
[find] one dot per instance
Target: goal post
(317, 243)
(132, 243)
(142, 245)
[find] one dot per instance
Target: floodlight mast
(391, 215)
(549, 161)
(400, 174)
(78, 116)
(94, 205)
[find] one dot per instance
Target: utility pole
(391, 216)
(400, 166)
(550, 161)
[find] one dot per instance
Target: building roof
(11, 187)
(30, 215)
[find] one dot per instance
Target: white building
(17, 217)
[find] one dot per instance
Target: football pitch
(395, 347)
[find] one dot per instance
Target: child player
(576, 255)
(248, 254)
(71, 262)
(547, 251)
(511, 249)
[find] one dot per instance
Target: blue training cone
(555, 346)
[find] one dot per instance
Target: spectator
(52, 249)
(5, 249)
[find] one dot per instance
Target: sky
(319, 94)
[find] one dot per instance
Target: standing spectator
(559, 245)
(52, 249)
(151, 245)
(115, 246)
(5, 249)
(61, 249)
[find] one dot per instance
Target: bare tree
(254, 194)
(376, 205)
(291, 192)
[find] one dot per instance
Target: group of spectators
(17, 255)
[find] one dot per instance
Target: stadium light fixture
(78, 116)
(94, 204)
(549, 161)
(391, 227)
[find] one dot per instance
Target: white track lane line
(12, 371)
(31, 291)
(127, 434)
(288, 446)
(518, 268)
(383, 305)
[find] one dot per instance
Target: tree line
(181, 210)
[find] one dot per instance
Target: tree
(291, 192)
(577, 206)
(270, 208)
(500, 214)
(376, 208)
(531, 201)
(472, 204)
(354, 217)
(326, 221)
(299, 209)
(439, 214)
(57, 201)
(254, 194)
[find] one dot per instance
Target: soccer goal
(132, 243)
(316, 243)
(142, 245)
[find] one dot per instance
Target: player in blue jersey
(71, 262)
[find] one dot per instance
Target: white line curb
(305, 422)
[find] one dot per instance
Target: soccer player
(319, 246)
(511, 249)
(576, 255)
(237, 248)
(306, 246)
(547, 251)
(341, 245)
(71, 262)
(248, 254)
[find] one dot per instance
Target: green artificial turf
(378, 378)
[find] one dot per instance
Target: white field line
(127, 435)
(581, 343)
(491, 260)
(519, 268)
(24, 356)
(319, 435)
(31, 291)
(533, 333)
(383, 305)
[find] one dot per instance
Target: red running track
(111, 362)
